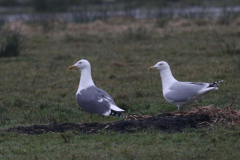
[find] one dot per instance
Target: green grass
(37, 88)
(214, 143)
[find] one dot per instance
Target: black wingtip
(215, 84)
(115, 113)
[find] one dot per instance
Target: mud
(165, 122)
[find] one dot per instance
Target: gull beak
(71, 67)
(151, 68)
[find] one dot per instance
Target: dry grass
(131, 116)
(120, 25)
(226, 115)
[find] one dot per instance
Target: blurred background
(84, 10)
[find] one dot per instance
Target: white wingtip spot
(100, 100)
(109, 98)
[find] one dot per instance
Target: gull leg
(103, 118)
(90, 118)
(178, 108)
(197, 103)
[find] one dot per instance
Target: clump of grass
(226, 115)
(11, 46)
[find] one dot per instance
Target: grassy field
(36, 87)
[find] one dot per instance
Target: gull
(181, 93)
(91, 98)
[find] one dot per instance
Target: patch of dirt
(165, 122)
(171, 122)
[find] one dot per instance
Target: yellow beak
(71, 67)
(151, 68)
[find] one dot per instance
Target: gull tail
(114, 113)
(215, 84)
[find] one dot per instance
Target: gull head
(80, 64)
(162, 65)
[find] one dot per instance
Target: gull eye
(80, 62)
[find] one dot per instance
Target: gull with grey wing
(91, 98)
(181, 93)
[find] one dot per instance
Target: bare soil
(166, 122)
